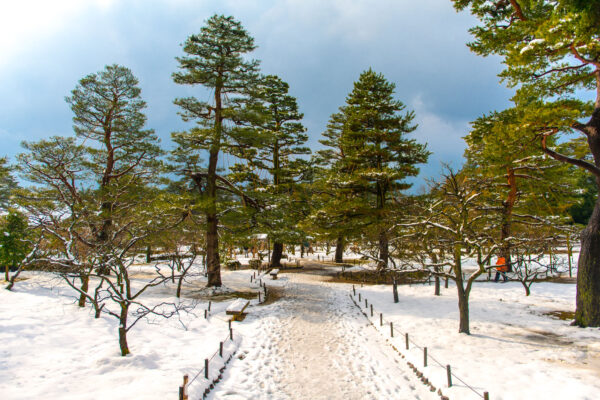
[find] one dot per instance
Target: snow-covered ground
(52, 349)
(312, 342)
(315, 344)
(517, 349)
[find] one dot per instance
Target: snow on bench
(237, 309)
(274, 273)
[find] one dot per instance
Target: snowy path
(315, 344)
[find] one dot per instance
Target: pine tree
(282, 141)
(527, 185)
(108, 115)
(377, 156)
(330, 218)
(215, 59)
(96, 197)
(552, 56)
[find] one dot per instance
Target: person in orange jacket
(501, 269)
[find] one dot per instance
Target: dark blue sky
(318, 46)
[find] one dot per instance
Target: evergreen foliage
(551, 53)
(14, 245)
(7, 184)
(282, 138)
(215, 60)
(371, 157)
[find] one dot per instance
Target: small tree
(456, 216)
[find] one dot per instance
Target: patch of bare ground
(204, 294)
(545, 337)
(562, 315)
(561, 279)
(273, 294)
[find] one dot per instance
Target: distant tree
(377, 156)
(551, 55)
(7, 184)
(329, 218)
(214, 59)
(14, 243)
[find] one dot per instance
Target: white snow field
(309, 341)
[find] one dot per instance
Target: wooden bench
(274, 273)
(236, 309)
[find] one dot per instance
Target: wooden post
(486, 396)
(183, 395)
(391, 329)
(406, 339)
(251, 278)
(354, 290)
(371, 309)
(366, 303)
(395, 290)
(359, 298)
(380, 319)
(206, 368)
(230, 334)
(424, 356)
(221, 349)
(259, 300)
(569, 252)
(229, 324)
(205, 314)
(449, 375)
(209, 305)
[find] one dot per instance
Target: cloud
(318, 47)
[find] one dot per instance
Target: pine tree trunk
(213, 265)
(339, 250)
(148, 254)
(587, 312)
(437, 286)
(6, 276)
(383, 250)
(276, 256)
(507, 209)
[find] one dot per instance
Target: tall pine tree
(377, 156)
(215, 59)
